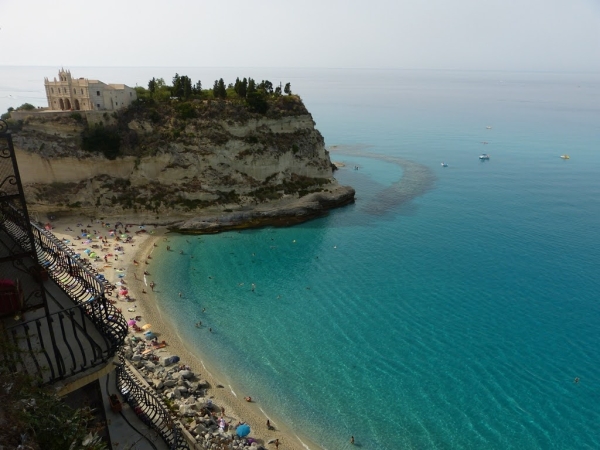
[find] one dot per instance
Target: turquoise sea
(449, 307)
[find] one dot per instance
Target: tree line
(255, 94)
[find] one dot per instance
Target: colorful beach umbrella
(123, 292)
(243, 430)
(146, 327)
(131, 323)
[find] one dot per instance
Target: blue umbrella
(243, 430)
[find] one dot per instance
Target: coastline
(147, 305)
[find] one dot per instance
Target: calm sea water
(449, 308)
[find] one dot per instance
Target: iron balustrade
(80, 343)
(80, 329)
(64, 266)
(149, 407)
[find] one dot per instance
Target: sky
(533, 35)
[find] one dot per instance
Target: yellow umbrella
(146, 327)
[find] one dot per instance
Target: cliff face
(201, 159)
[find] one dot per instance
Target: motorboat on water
(444, 164)
(565, 156)
(484, 156)
(488, 127)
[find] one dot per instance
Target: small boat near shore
(484, 156)
(444, 164)
(565, 156)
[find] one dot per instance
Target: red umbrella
(123, 292)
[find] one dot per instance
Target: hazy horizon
(488, 35)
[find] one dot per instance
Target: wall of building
(81, 94)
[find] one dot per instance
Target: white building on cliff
(69, 93)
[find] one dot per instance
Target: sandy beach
(127, 265)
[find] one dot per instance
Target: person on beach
(269, 426)
(276, 443)
(352, 440)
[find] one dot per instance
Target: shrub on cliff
(26, 107)
(101, 139)
(185, 110)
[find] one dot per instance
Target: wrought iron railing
(149, 407)
(82, 329)
(64, 266)
(79, 346)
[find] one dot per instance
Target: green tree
(287, 89)
(266, 86)
(243, 88)
(6, 115)
(152, 86)
(177, 89)
(222, 91)
(26, 107)
(197, 89)
(251, 87)
(182, 87)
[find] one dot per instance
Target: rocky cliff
(209, 162)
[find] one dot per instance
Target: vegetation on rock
(34, 418)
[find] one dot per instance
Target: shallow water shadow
(416, 180)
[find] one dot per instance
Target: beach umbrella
(93, 255)
(123, 292)
(131, 323)
(146, 327)
(87, 251)
(243, 430)
(149, 335)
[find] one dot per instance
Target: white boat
(484, 156)
(444, 165)
(565, 156)
(488, 127)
